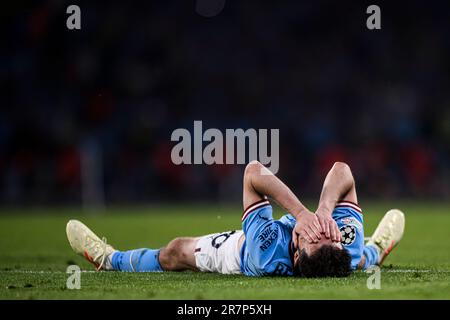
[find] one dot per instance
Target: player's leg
(386, 236)
(176, 256)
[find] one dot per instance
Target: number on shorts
(218, 240)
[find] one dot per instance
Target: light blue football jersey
(267, 249)
(349, 219)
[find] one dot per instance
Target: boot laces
(98, 248)
(385, 238)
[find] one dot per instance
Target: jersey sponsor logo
(348, 233)
(267, 236)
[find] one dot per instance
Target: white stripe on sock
(131, 264)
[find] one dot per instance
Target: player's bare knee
(183, 249)
(169, 257)
(183, 256)
(165, 260)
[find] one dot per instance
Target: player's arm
(338, 185)
(260, 182)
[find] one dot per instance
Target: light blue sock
(371, 254)
(138, 260)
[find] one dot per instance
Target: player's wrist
(301, 212)
(324, 210)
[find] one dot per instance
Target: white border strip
(254, 207)
(131, 263)
(349, 204)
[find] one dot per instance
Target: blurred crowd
(88, 114)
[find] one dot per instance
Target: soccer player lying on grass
(329, 242)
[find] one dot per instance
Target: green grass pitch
(34, 255)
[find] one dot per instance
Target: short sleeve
(256, 215)
(289, 221)
(349, 219)
(266, 246)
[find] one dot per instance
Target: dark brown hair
(327, 261)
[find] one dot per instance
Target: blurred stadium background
(86, 119)
(87, 115)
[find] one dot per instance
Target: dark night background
(116, 89)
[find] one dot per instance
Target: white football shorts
(219, 252)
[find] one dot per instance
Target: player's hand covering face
(311, 248)
(329, 226)
(307, 227)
